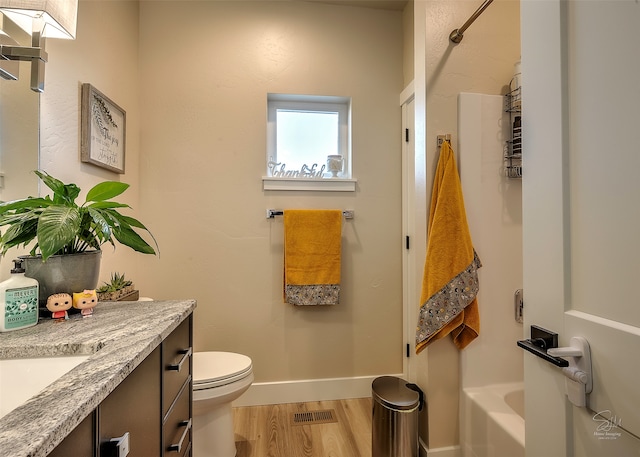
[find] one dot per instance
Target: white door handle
(565, 352)
(579, 379)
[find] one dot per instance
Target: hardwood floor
(268, 431)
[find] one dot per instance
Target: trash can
(395, 417)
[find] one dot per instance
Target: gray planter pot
(64, 273)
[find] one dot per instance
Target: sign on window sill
(314, 184)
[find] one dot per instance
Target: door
(581, 219)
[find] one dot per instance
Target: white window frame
(315, 103)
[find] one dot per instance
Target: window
(302, 132)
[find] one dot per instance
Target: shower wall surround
(494, 211)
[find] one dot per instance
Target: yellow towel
(450, 282)
(312, 248)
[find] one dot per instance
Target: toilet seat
(216, 369)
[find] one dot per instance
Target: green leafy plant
(60, 226)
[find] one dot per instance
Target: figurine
(58, 304)
(85, 301)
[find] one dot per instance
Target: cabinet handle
(186, 353)
(178, 446)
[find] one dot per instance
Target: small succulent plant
(118, 282)
(116, 289)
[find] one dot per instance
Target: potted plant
(117, 289)
(68, 237)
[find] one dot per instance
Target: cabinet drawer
(176, 362)
(178, 425)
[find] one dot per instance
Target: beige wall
(109, 61)
(483, 63)
(408, 47)
(194, 91)
(205, 72)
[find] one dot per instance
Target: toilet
(218, 379)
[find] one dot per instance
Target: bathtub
(492, 421)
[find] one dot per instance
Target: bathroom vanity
(136, 380)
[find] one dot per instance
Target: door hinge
(406, 242)
(408, 350)
(406, 135)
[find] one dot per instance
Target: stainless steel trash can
(395, 417)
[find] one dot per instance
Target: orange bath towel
(312, 253)
(448, 303)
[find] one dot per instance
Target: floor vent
(314, 417)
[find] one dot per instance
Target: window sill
(322, 185)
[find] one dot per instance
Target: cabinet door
(80, 442)
(134, 407)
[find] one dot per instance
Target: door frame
(542, 73)
(409, 288)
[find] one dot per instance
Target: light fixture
(40, 19)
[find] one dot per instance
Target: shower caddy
(513, 147)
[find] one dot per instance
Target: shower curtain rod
(456, 36)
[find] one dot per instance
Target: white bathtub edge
(490, 401)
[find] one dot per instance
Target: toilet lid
(213, 369)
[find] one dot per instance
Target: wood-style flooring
(268, 431)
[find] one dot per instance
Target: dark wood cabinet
(134, 407)
(80, 442)
(153, 404)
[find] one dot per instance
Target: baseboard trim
(422, 449)
(273, 393)
(447, 451)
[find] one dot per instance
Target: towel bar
(272, 213)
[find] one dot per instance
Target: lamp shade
(59, 16)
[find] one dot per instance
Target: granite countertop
(118, 337)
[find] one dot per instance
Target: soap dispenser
(18, 300)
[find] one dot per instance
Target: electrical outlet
(120, 445)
